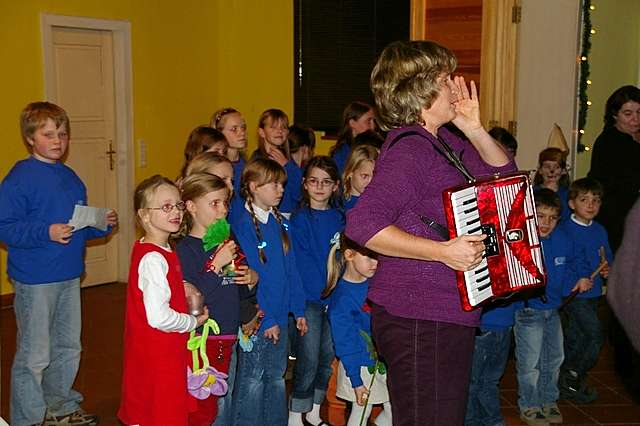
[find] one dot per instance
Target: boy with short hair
(538, 333)
(583, 331)
(37, 200)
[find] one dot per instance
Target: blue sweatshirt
(312, 231)
(351, 202)
(347, 319)
(563, 265)
(341, 155)
(220, 296)
(588, 239)
(33, 196)
(292, 189)
(279, 287)
(497, 317)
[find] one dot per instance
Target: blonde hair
(35, 115)
(405, 80)
(358, 155)
(262, 171)
(275, 115)
(202, 163)
(145, 190)
(193, 187)
(218, 117)
(337, 263)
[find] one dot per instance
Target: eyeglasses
(319, 182)
(168, 208)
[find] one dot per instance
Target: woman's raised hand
(467, 106)
(462, 253)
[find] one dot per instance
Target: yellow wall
(189, 58)
(614, 62)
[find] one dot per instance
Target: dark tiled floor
(99, 376)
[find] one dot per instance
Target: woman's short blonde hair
(405, 80)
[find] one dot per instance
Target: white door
(84, 86)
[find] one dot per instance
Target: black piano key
(470, 210)
(484, 287)
(474, 230)
(481, 270)
(482, 278)
(469, 201)
(471, 222)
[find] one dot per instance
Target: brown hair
(262, 171)
(275, 115)
(329, 166)
(353, 111)
(35, 115)
(552, 154)
(201, 163)
(405, 80)
(217, 119)
(584, 185)
(201, 139)
(195, 186)
(359, 155)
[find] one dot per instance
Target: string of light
(583, 101)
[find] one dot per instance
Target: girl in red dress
(154, 383)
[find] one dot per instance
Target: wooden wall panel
(457, 24)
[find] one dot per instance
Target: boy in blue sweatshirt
(538, 332)
(583, 332)
(46, 260)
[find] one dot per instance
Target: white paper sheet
(84, 216)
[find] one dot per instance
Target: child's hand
(60, 232)
(245, 276)
(277, 155)
(301, 325)
(273, 333)
(251, 328)
(604, 272)
(224, 255)
(190, 289)
(112, 218)
(200, 319)
(362, 394)
(583, 284)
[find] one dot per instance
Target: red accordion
(503, 209)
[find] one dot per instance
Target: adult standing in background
(615, 161)
(420, 329)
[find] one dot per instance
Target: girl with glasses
(154, 383)
(313, 228)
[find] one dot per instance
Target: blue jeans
(48, 319)
(315, 354)
(583, 335)
(489, 360)
(539, 354)
(259, 396)
(225, 404)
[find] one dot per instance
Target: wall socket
(142, 153)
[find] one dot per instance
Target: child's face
(163, 215)
(219, 147)
(235, 130)
(362, 124)
(360, 264)
(209, 208)
(551, 172)
(361, 177)
(547, 219)
(319, 186)
(49, 143)
(225, 172)
(274, 132)
(586, 206)
(268, 195)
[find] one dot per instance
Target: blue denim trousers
(225, 404)
(314, 352)
(582, 335)
(490, 354)
(259, 396)
(48, 319)
(539, 354)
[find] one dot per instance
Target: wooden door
(84, 87)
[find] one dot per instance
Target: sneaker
(578, 394)
(552, 413)
(77, 418)
(533, 417)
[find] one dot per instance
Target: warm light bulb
(582, 131)
(589, 103)
(592, 7)
(584, 58)
(587, 148)
(588, 81)
(593, 30)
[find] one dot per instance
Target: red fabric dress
(154, 382)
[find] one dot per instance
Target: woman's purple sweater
(408, 182)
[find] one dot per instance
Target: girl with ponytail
(349, 269)
(263, 233)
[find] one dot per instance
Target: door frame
(123, 92)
